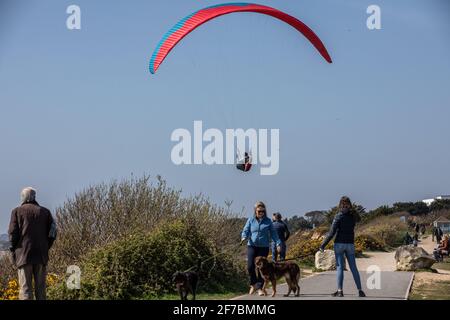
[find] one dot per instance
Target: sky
(79, 107)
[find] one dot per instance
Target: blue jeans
(253, 252)
(275, 253)
(347, 249)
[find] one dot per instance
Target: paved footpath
(394, 286)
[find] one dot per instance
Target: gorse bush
(141, 266)
(303, 247)
(11, 291)
(365, 242)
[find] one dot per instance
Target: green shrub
(108, 212)
(141, 266)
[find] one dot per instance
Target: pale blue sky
(80, 107)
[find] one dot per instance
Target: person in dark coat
(343, 228)
(438, 234)
(283, 234)
(415, 239)
(31, 234)
(407, 240)
(417, 228)
(423, 229)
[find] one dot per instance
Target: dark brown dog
(272, 271)
(186, 283)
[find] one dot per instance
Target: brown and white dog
(272, 271)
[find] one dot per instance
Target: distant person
(433, 233)
(423, 229)
(439, 235)
(245, 164)
(417, 228)
(415, 239)
(443, 248)
(32, 232)
(283, 234)
(407, 240)
(258, 231)
(343, 228)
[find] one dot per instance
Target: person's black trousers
(253, 252)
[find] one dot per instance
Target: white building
(428, 202)
(442, 223)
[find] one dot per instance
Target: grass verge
(443, 265)
(439, 290)
(430, 286)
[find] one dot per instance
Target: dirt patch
(384, 260)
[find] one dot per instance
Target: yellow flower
(52, 279)
(12, 290)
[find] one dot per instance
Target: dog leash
(295, 258)
(200, 264)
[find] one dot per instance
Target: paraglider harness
(244, 163)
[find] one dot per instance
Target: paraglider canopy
(194, 20)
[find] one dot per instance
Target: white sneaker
(261, 293)
(252, 290)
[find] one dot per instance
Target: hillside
(3, 242)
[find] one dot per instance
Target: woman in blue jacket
(258, 232)
(343, 228)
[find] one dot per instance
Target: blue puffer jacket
(260, 232)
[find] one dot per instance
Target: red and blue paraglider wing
(191, 22)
